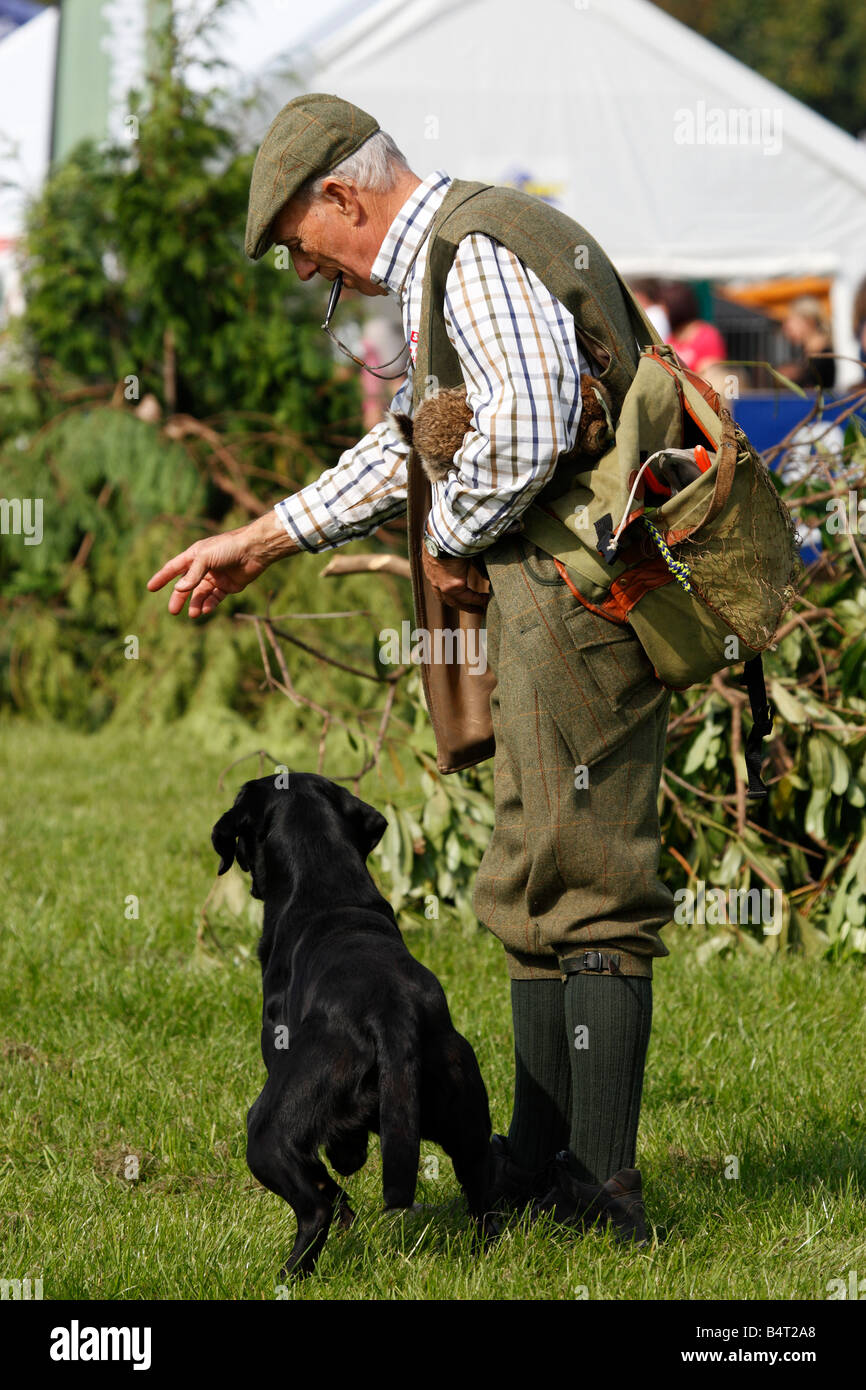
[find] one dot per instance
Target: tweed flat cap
(307, 138)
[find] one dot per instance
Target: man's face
(336, 233)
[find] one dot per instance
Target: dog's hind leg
(344, 1212)
(346, 1154)
(458, 1119)
(472, 1170)
(399, 1129)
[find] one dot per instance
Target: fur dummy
(441, 422)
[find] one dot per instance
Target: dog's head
(277, 824)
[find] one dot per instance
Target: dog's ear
(226, 839)
(372, 826)
(236, 833)
(366, 824)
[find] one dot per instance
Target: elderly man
(507, 298)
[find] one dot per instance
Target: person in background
(648, 295)
(698, 344)
(808, 330)
(381, 341)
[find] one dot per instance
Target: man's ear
(366, 824)
(344, 197)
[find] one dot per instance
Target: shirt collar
(406, 232)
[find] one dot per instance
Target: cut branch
(367, 564)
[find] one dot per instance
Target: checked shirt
(522, 366)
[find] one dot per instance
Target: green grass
(122, 1037)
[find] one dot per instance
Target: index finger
(170, 570)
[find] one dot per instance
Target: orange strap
(626, 591)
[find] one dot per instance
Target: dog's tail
(399, 1123)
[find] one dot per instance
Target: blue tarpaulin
(769, 417)
(14, 13)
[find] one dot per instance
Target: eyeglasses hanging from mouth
(374, 371)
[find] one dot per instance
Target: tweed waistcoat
(574, 268)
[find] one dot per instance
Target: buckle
(592, 961)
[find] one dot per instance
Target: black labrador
(356, 1033)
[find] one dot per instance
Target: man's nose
(304, 267)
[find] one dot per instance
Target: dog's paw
(345, 1216)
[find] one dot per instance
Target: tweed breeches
(580, 721)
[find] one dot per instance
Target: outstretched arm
(365, 488)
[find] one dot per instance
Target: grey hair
(375, 166)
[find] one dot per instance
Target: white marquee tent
(679, 159)
(26, 83)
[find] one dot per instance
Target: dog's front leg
(282, 1162)
(314, 1220)
(310, 1191)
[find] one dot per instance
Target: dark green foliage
(815, 50)
(135, 268)
(809, 839)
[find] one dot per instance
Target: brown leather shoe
(617, 1203)
(513, 1187)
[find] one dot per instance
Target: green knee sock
(542, 1079)
(608, 1021)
